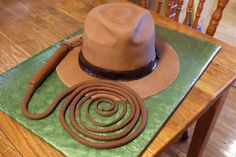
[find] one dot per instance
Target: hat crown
(119, 36)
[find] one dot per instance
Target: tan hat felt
(121, 37)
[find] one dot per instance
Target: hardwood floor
(222, 142)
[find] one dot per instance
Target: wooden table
(28, 26)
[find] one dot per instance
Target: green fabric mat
(194, 55)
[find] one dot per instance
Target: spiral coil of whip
(96, 92)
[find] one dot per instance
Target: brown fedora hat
(119, 43)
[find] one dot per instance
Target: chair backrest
(215, 19)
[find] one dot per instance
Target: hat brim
(70, 73)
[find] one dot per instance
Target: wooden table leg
(204, 127)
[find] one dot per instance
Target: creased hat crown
(119, 36)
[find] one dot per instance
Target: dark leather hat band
(117, 75)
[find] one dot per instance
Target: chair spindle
(178, 10)
(144, 3)
(169, 6)
(216, 17)
(188, 12)
(198, 13)
(159, 6)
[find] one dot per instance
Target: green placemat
(194, 56)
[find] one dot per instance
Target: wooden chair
(211, 29)
(216, 17)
